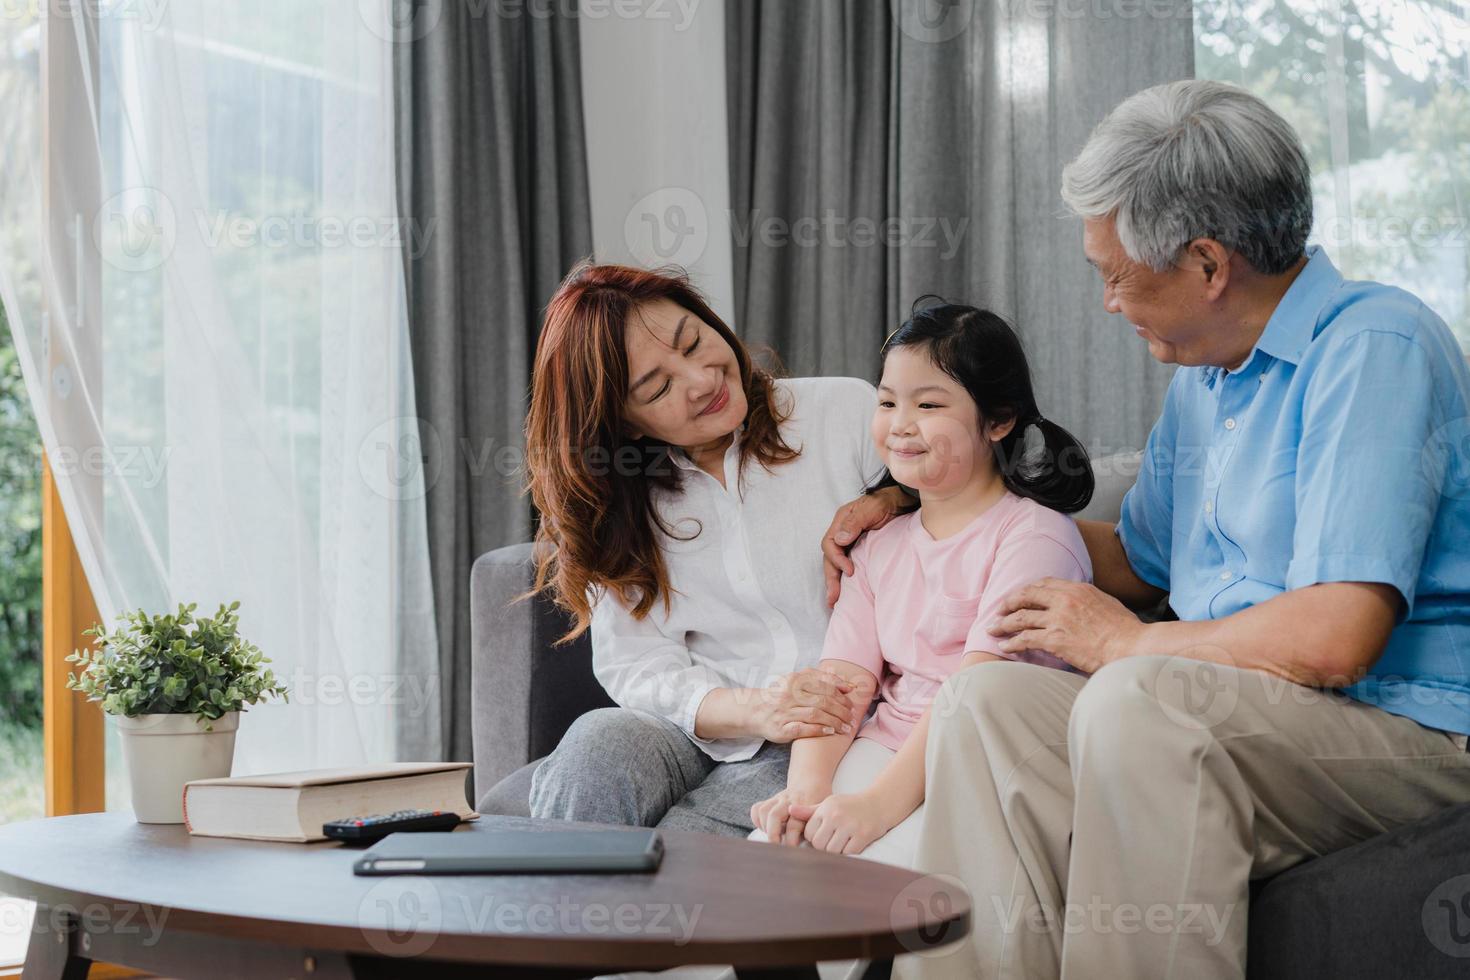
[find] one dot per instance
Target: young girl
(955, 410)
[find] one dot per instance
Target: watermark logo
(668, 226)
(1446, 917)
(136, 229)
(1446, 459)
(400, 21)
(932, 21)
(395, 453)
(1199, 689)
(928, 907)
(401, 916)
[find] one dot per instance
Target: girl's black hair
(980, 350)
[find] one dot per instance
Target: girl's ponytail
(1058, 475)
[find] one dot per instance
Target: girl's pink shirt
(914, 606)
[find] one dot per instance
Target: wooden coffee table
(153, 897)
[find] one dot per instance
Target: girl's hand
(867, 513)
(842, 824)
(773, 816)
(805, 704)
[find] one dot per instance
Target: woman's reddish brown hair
(598, 521)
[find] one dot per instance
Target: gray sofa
(1395, 906)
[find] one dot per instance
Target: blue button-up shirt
(1339, 451)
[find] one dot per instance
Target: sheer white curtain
(202, 265)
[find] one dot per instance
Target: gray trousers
(623, 766)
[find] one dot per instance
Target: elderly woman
(1296, 503)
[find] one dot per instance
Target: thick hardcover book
(292, 806)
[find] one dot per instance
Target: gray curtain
(924, 143)
(493, 177)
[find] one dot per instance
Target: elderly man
(1297, 503)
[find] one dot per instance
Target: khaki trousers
(1109, 827)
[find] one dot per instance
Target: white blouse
(749, 598)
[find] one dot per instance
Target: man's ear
(1209, 260)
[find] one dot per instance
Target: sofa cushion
(1397, 905)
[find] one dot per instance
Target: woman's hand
(805, 704)
(773, 816)
(867, 513)
(842, 823)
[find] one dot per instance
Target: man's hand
(773, 816)
(867, 513)
(843, 823)
(804, 704)
(1072, 620)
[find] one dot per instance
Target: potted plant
(175, 686)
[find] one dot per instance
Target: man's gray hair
(1196, 159)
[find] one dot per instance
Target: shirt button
(1209, 506)
(1230, 423)
(1225, 575)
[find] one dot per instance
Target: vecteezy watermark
(832, 230)
(138, 228)
(146, 14)
(567, 916)
(95, 918)
(404, 456)
(1101, 10)
(143, 466)
(1415, 230)
(932, 21)
(414, 692)
(1446, 917)
(1099, 917)
(404, 915)
(667, 226)
(300, 230)
(404, 21)
(924, 914)
(679, 13)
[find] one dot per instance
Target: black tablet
(612, 851)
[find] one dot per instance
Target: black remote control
(368, 830)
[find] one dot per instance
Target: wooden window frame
(74, 732)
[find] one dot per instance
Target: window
(1378, 91)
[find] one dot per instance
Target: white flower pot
(163, 752)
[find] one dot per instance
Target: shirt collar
(681, 459)
(1294, 321)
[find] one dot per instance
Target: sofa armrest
(525, 691)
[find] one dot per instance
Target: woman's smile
(718, 403)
